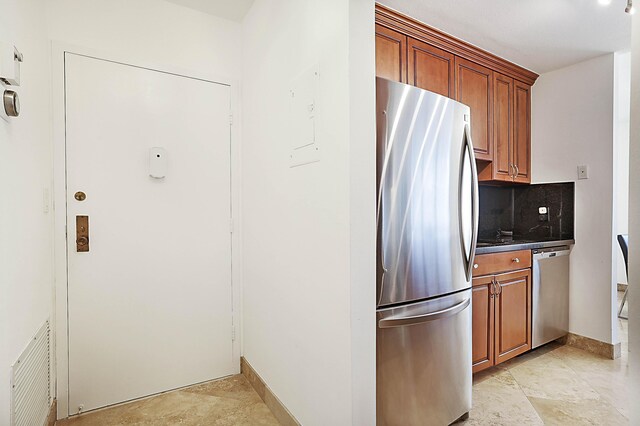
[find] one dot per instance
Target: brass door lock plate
(82, 233)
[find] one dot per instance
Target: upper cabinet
(511, 133)
(391, 54)
(430, 68)
(497, 92)
(502, 167)
(474, 88)
(521, 157)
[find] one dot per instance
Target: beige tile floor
(553, 385)
(225, 402)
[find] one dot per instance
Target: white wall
(621, 111)
(572, 124)
(309, 271)
(152, 31)
(362, 158)
(26, 259)
(634, 224)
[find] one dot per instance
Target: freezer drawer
(424, 362)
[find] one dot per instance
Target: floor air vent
(30, 382)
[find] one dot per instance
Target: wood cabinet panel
(503, 127)
(430, 68)
(521, 153)
(497, 91)
(391, 54)
(493, 263)
(482, 323)
(418, 30)
(474, 88)
(512, 315)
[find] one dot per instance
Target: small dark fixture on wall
(543, 214)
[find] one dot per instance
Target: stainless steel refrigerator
(427, 230)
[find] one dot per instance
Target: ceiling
(234, 10)
(541, 35)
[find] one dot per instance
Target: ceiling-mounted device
(11, 103)
(10, 59)
(630, 9)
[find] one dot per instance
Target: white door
(150, 303)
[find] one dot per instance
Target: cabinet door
(430, 68)
(512, 314)
(474, 88)
(482, 323)
(503, 127)
(391, 54)
(521, 153)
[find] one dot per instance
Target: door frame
(60, 347)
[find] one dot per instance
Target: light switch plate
(304, 155)
(10, 59)
(542, 210)
(583, 172)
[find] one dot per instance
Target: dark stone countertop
(498, 247)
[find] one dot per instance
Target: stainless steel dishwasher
(550, 294)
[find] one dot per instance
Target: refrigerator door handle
(402, 321)
(379, 245)
(469, 259)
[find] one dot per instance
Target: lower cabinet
(483, 323)
(501, 318)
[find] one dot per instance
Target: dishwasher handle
(551, 253)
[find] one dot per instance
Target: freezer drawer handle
(418, 319)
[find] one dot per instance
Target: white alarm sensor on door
(157, 162)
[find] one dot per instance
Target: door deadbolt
(82, 233)
(80, 196)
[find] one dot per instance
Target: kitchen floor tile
(498, 400)
(554, 385)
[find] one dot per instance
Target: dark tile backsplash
(496, 211)
(516, 209)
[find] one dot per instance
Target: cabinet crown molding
(390, 18)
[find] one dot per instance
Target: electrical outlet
(543, 214)
(583, 172)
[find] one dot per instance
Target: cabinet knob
(515, 259)
(475, 266)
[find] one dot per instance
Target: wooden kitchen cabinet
(430, 68)
(483, 323)
(503, 129)
(501, 309)
(511, 132)
(497, 91)
(391, 54)
(474, 88)
(512, 314)
(521, 156)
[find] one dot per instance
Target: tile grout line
(525, 395)
(600, 396)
